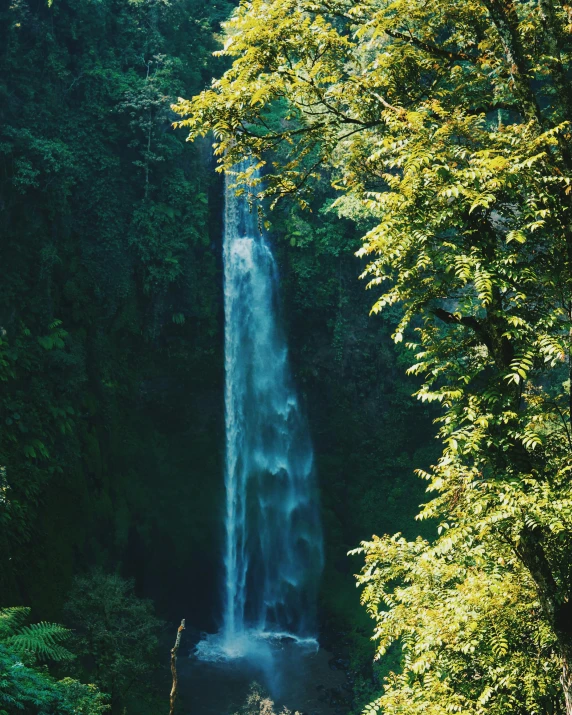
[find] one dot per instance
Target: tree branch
(174, 651)
(432, 49)
(494, 108)
(500, 349)
(448, 317)
(505, 19)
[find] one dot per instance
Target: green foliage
(39, 639)
(115, 636)
(469, 621)
(106, 234)
(446, 128)
(27, 688)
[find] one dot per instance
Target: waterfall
(273, 543)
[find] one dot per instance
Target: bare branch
(174, 651)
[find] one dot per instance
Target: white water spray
(273, 547)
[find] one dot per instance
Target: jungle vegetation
(433, 140)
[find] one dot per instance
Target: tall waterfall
(273, 546)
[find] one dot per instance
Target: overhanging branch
(431, 49)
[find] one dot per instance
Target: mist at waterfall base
(273, 541)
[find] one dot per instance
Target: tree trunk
(505, 18)
(567, 687)
(558, 613)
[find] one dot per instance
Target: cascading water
(273, 549)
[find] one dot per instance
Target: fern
(43, 640)
(11, 619)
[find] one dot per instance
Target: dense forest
(422, 147)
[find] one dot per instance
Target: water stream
(273, 544)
